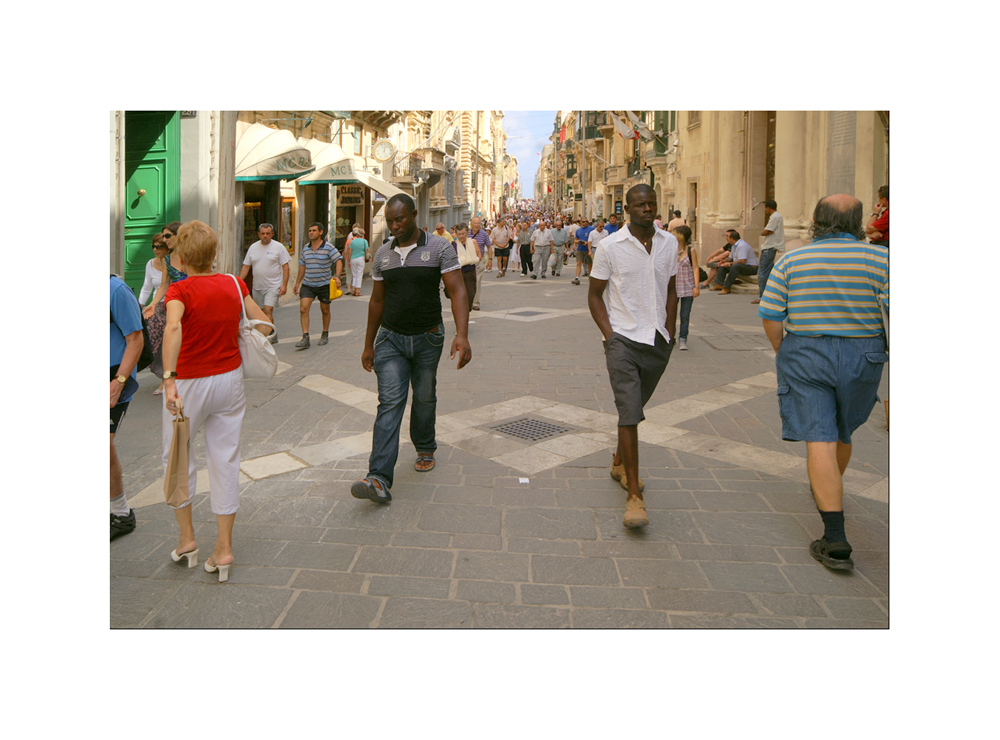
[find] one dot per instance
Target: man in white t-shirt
(269, 260)
(541, 247)
(633, 300)
(772, 243)
(596, 237)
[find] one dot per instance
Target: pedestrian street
(518, 526)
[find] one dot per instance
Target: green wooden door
(152, 190)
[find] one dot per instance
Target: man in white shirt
(633, 299)
(541, 247)
(772, 242)
(596, 237)
(269, 260)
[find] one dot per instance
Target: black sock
(834, 523)
(324, 334)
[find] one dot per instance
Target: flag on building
(626, 131)
(562, 134)
(641, 128)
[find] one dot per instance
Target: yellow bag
(335, 292)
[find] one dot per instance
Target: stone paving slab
(470, 544)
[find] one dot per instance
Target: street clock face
(383, 150)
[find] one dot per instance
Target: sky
(527, 133)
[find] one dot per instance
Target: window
(358, 134)
(694, 118)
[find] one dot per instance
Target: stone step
(747, 287)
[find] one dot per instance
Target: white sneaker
(682, 344)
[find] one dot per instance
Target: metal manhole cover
(531, 429)
(527, 313)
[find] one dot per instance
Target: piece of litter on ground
(523, 480)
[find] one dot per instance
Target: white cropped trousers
(216, 403)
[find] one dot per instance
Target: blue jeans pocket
(380, 337)
(435, 339)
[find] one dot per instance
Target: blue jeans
(686, 304)
(726, 275)
(400, 361)
(764, 269)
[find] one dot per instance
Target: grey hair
(829, 220)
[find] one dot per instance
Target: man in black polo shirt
(404, 340)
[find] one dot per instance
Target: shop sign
(292, 163)
(343, 170)
(350, 195)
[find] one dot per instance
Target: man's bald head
(838, 214)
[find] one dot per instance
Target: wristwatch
(169, 374)
(123, 379)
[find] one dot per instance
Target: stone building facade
(717, 167)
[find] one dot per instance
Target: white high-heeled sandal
(192, 557)
(223, 571)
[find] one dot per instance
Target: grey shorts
(634, 370)
(266, 297)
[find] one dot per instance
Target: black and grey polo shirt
(411, 276)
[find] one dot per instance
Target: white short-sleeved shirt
(776, 240)
(636, 296)
(266, 263)
(596, 237)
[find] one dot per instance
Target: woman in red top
(202, 374)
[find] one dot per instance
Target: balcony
(614, 174)
(405, 168)
(432, 165)
(597, 122)
(633, 168)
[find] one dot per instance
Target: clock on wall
(383, 150)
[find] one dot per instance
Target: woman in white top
(153, 270)
(468, 257)
(154, 276)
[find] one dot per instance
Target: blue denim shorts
(827, 386)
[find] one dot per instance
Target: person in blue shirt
(583, 259)
(612, 225)
(126, 346)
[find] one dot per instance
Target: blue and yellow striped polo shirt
(829, 288)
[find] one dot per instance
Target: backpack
(146, 356)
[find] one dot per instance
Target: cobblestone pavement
(512, 531)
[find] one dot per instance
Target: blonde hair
(360, 232)
(196, 245)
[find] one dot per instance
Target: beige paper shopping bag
(176, 486)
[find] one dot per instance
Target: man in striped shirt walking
(826, 296)
(319, 262)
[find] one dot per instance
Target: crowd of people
(641, 277)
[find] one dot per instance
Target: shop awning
(264, 153)
(378, 185)
(334, 166)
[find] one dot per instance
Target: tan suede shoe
(618, 473)
(635, 513)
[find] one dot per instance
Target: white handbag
(259, 358)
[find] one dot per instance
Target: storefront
(359, 195)
(267, 161)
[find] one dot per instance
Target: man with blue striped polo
(821, 312)
(319, 262)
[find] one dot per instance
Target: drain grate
(531, 429)
(528, 313)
